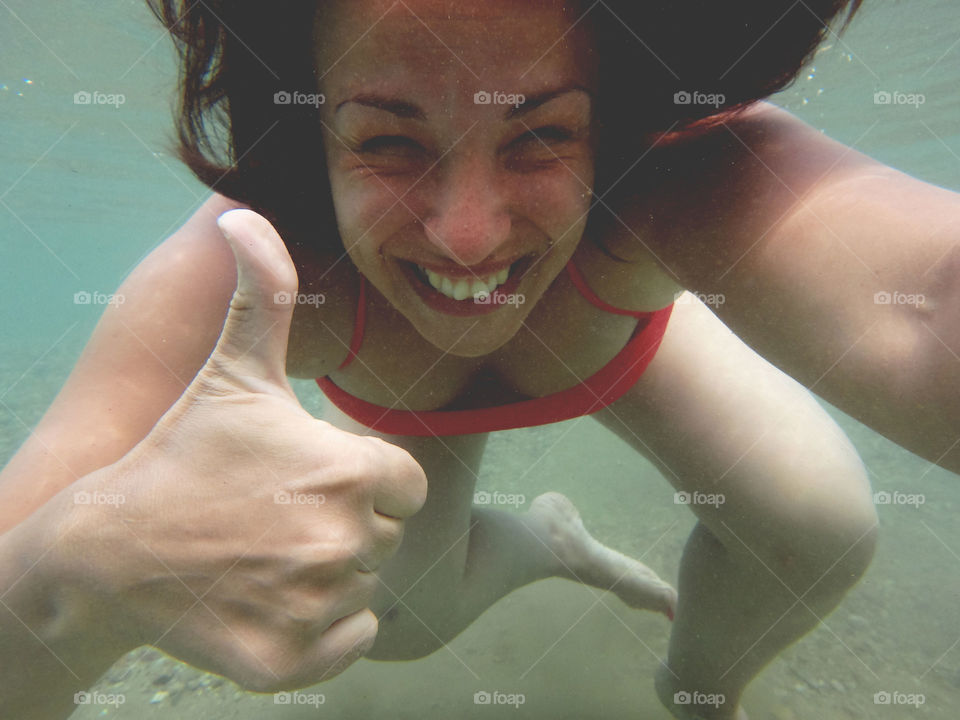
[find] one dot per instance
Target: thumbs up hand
(250, 534)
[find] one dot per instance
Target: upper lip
(474, 271)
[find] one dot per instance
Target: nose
(469, 219)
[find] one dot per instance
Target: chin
(468, 341)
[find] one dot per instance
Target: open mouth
(465, 295)
(462, 288)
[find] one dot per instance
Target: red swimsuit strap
(577, 279)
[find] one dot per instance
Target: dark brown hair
(235, 55)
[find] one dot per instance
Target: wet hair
(664, 65)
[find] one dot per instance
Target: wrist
(50, 559)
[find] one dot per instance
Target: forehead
(451, 45)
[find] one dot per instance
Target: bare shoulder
(837, 269)
(703, 202)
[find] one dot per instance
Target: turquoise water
(87, 191)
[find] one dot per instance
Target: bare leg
(505, 551)
(719, 645)
(795, 530)
(457, 560)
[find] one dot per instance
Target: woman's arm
(154, 547)
(839, 270)
(56, 639)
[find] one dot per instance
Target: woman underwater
(502, 205)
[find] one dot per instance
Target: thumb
(253, 343)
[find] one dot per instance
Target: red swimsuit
(594, 393)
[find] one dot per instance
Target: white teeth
(462, 288)
(478, 287)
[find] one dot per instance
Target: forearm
(54, 642)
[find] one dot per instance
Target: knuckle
(263, 672)
(260, 682)
(408, 472)
(341, 546)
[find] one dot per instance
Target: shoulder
(706, 201)
(197, 260)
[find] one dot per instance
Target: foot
(555, 520)
(687, 705)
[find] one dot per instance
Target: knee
(819, 538)
(828, 546)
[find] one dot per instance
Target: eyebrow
(534, 101)
(395, 106)
(407, 110)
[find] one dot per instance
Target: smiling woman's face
(440, 196)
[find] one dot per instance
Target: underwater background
(86, 191)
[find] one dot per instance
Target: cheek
(368, 208)
(555, 200)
